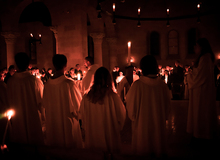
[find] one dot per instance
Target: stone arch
(36, 11)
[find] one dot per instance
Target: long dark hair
(205, 48)
(101, 87)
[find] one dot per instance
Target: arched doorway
(34, 25)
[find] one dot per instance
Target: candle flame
(39, 35)
(113, 7)
(129, 44)
(31, 35)
(198, 6)
(9, 114)
(139, 11)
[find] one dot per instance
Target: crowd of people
(54, 101)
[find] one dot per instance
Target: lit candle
(166, 79)
(168, 11)
(31, 35)
(113, 7)
(40, 35)
(198, 6)
(139, 11)
(78, 76)
(129, 52)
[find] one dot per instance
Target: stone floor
(180, 144)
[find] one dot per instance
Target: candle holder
(34, 40)
(139, 23)
(114, 21)
(99, 15)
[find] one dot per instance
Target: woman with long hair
(202, 114)
(103, 114)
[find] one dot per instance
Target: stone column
(55, 32)
(10, 39)
(97, 40)
(113, 54)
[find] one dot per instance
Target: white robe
(148, 105)
(25, 97)
(3, 97)
(61, 100)
(202, 112)
(103, 123)
(87, 81)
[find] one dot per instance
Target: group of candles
(139, 9)
(31, 34)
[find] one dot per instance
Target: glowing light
(166, 79)
(218, 57)
(113, 7)
(129, 44)
(52, 75)
(139, 11)
(40, 35)
(168, 11)
(31, 35)
(9, 114)
(132, 59)
(78, 76)
(198, 6)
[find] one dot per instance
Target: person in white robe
(202, 112)
(148, 104)
(87, 81)
(61, 99)
(24, 93)
(103, 115)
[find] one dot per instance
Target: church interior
(102, 29)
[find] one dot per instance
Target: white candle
(168, 11)
(113, 7)
(31, 35)
(139, 11)
(166, 79)
(78, 76)
(129, 52)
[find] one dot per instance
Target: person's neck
(58, 74)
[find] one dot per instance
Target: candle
(139, 11)
(78, 76)
(129, 52)
(168, 11)
(40, 35)
(113, 7)
(31, 35)
(198, 6)
(166, 79)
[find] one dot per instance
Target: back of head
(22, 61)
(59, 61)
(102, 84)
(11, 67)
(148, 65)
(90, 59)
